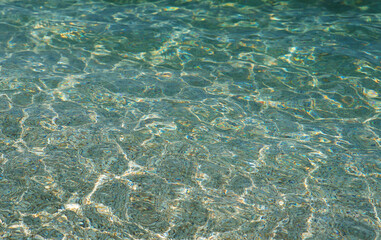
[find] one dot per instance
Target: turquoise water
(190, 119)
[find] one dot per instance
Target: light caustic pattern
(190, 120)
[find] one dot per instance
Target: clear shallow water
(190, 120)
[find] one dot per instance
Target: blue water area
(190, 119)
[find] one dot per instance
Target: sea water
(190, 119)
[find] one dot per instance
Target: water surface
(190, 119)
